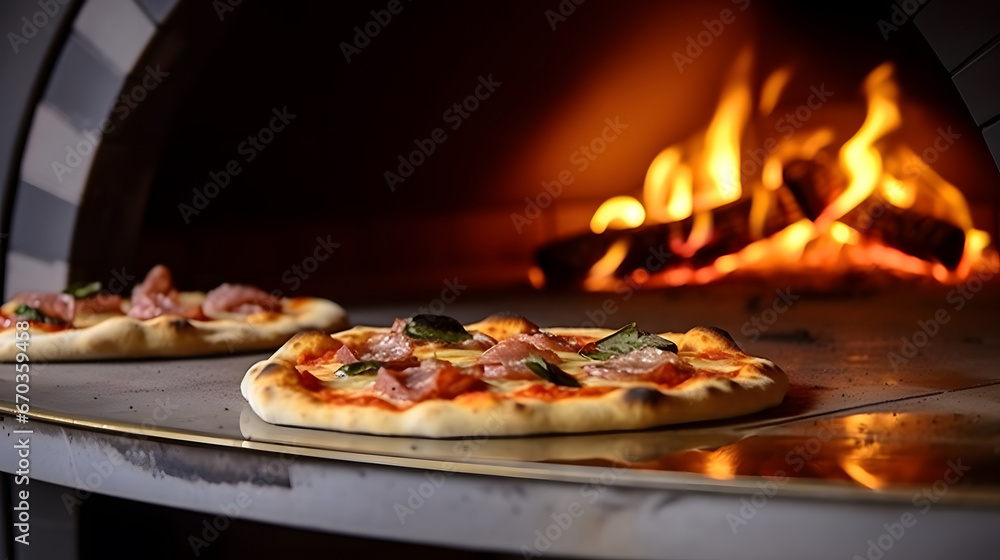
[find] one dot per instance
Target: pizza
(86, 323)
(431, 376)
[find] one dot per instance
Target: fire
(858, 156)
(605, 268)
(722, 139)
(620, 212)
(669, 192)
(689, 182)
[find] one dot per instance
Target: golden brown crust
(175, 336)
(740, 384)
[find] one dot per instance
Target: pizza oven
(819, 181)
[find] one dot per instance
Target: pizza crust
(176, 336)
(274, 391)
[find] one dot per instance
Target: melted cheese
(572, 363)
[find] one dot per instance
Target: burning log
(652, 248)
(815, 185)
(692, 173)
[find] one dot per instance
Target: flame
(844, 233)
(859, 158)
(659, 187)
(676, 186)
(896, 192)
(604, 269)
(620, 212)
(690, 179)
(722, 140)
(771, 91)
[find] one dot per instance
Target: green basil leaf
(550, 372)
(80, 290)
(623, 341)
(358, 368)
(436, 328)
(32, 314)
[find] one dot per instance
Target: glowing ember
(687, 185)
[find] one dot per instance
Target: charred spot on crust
(643, 395)
(179, 324)
(269, 369)
(723, 335)
(520, 406)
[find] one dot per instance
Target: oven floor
(858, 387)
(861, 439)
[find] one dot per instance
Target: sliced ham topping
(479, 341)
(391, 348)
(157, 296)
(239, 298)
(432, 379)
(57, 306)
(345, 355)
(546, 341)
(506, 359)
(99, 303)
(484, 340)
(646, 364)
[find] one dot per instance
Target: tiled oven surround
(95, 63)
(107, 38)
(966, 38)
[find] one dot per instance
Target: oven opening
(605, 147)
(815, 181)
